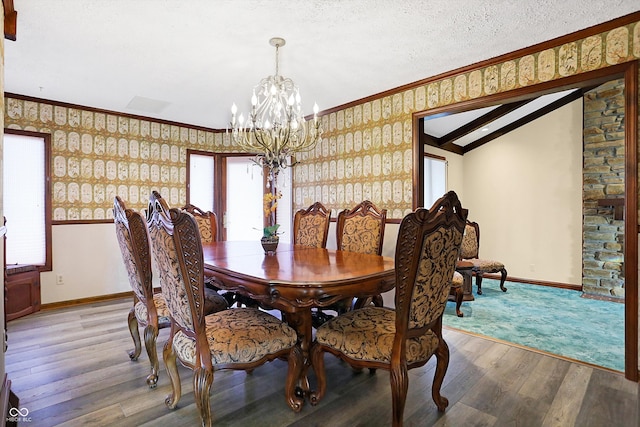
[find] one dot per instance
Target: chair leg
(459, 293)
(296, 363)
(317, 362)
(135, 334)
(202, 380)
(150, 336)
(399, 387)
(169, 357)
(503, 277)
(479, 281)
(442, 357)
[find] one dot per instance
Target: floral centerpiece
(270, 231)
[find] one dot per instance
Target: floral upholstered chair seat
(161, 310)
(345, 334)
(457, 280)
(213, 302)
(237, 336)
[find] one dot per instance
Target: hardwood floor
(70, 367)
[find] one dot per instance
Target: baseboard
(82, 301)
(536, 282)
(90, 300)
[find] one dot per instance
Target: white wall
(525, 191)
(87, 256)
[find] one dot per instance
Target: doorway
(629, 72)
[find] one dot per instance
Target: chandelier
(275, 128)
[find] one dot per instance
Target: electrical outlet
(532, 268)
(59, 280)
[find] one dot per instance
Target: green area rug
(553, 320)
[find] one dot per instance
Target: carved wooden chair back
(149, 309)
(240, 338)
(311, 226)
(207, 223)
(361, 229)
(397, 340)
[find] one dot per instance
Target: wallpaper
(365, 152)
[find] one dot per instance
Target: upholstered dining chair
(149, 310)
(238, 338)
(207, 223)
(360, 229)
(311, 226)
(469, 251)
(405, 337)
(208, 228)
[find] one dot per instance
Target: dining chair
(360, 229)
(207, 222)
(469, 251)
(238, 338)
(149, 310)
(311, 226)
(208, 228)
(407, 336)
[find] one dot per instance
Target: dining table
(295, 279)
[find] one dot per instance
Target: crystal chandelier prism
(275, 129)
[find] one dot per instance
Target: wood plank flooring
(70, 367)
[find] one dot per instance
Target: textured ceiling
(189, 60)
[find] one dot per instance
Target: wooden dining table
(296, 279)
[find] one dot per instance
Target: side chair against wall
(405, 337)
(208, 228)
(470, 252)
(149, 310)
(311, 226)
(238, 338)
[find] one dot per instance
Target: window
(239, 205)
(435, 179)
(201, 181)
(27, 198)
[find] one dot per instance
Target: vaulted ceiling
(188, 61)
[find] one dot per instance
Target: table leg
(301, 322)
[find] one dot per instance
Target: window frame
(46, 137)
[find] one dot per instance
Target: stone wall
(603, 185)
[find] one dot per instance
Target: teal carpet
(553, 320)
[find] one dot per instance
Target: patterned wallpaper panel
(365, 152)
(96, 156)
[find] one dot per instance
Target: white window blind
(435, 180)
(201, 178)
(244, 199)
(24, 199)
